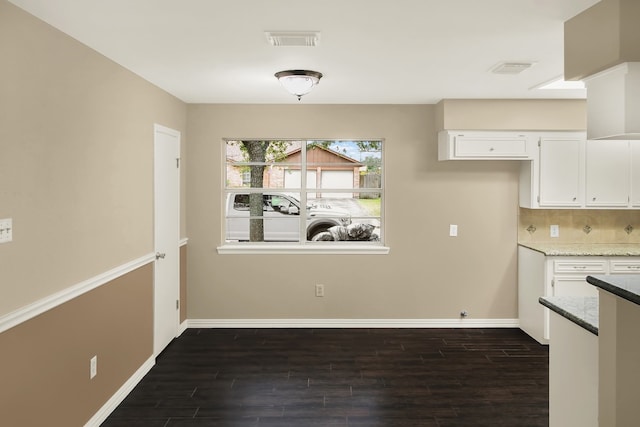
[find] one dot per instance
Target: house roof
(370, 51)
(344, 158)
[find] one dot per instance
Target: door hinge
(177, 304)
(538, 199)
(553, 283)
(178, 162)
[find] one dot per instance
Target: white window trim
(303, 247)
(315, 249)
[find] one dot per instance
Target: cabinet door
(560, 172)
(635, 172)
(607, 173)
(482, 145)
(564, 286)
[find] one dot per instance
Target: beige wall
(601, 37)
(76, 176)
(44, 362)
(513, 114)
(76, 170)
(427, 273)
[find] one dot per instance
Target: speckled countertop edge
(626, 286)
(582, 249)
(583, 311)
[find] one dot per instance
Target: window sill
(303, 249)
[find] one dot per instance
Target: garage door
(337, 179)
(292, 180)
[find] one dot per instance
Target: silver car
(281, 217)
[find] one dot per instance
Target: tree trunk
(257, 153)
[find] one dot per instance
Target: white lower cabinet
(635, 173)
(573, 375)
(541, 275)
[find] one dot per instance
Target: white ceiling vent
(283, 38)
(511, 67)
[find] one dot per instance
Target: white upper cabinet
(572, 172)
(560, 168)
(554, 178)
(635, 172)
(608, 173)
(482, 145)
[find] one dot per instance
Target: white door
(166, 236)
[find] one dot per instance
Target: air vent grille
(304, 39)
(511, 67)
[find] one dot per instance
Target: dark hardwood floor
(343, 377)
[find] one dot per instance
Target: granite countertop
(585, 249)
(583, 311)
(626, 286)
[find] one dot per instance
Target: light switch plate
(453, 230)
(6, 230)
(554, 231)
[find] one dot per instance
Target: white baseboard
(182, 327)
(353, 323)
(119, 396)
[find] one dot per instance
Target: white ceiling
(370, 51)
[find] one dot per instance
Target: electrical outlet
(554, 231)
(453, 230)
(319, 290)
(93, 367)
(6, 230)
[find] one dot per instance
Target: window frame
(302, 246)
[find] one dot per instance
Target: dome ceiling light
(298, 82)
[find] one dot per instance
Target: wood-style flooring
(343, 377)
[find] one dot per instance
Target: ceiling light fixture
(298, 82)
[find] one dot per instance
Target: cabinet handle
(575, 198)
(633, 267)
(579, 267)
(491, 149)
(594, 199)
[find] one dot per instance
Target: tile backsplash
(579, 226)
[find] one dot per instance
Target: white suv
(281, 216)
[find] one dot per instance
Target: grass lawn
(372, 206)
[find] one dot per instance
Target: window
(311, 194)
